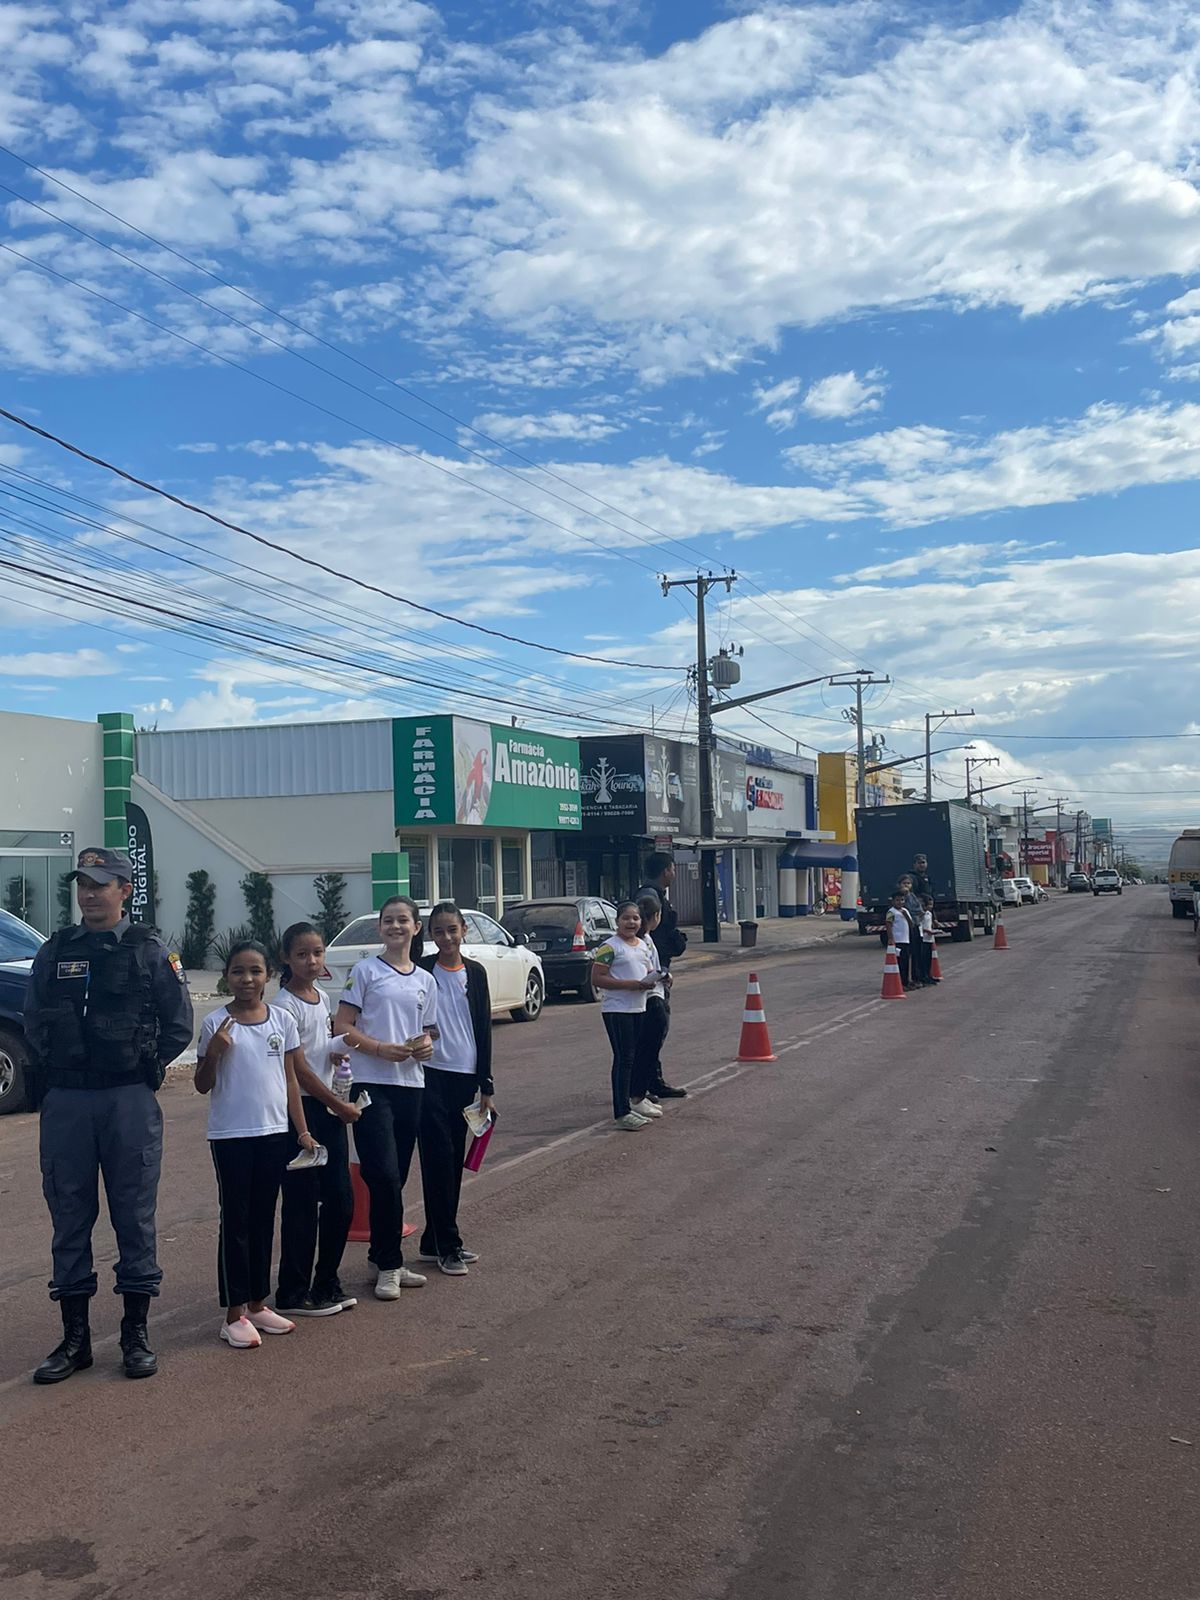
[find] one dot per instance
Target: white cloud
(948, 560)
(845, 394)
(57, 664)
(584, 426)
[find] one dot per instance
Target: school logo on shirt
(605, 954)
(275, 1044)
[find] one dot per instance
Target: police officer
(106, 1012)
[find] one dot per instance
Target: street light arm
(903, 761)
(763, 694)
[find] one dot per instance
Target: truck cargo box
(953, 837)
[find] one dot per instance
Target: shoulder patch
(176, 966)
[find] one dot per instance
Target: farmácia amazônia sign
(449, 771)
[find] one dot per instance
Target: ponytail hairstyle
(286, 941)
(447, 908)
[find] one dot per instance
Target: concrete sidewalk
(776, 935)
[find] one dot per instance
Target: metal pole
(708, 807)
(861, 784)
(928, 763)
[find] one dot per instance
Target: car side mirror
(519, 938)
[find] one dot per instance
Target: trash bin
(749, 934)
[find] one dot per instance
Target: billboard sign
(449, 771)
(774, 802)
(613, 785)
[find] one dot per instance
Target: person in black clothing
(459, 1070)
(920, 877)
(106, 1012)
(670, 941)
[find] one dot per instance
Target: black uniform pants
(647, 1062)
(385, 1137)
(249, 1172)
(317, 1208)
(443, 1144)
(904, 962)
(622, 1028)
(117, 1133)
(922, 961)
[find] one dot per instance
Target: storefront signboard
(613, 785)
(672, 788)
(729, 794)
(449, 771)
(774, 803)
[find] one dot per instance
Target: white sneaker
(646, 1108)
(410, 1280)
(387, 1284)
(242, 1334)
(631, 1122)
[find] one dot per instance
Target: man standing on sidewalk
(106, 1012)
(668, 940)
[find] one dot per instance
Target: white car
(515, 977)
(1010, 893)
(1029, 891)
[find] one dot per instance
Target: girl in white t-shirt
(625, 972)
(318, 1204)
(388, 1014)
(246, 1059)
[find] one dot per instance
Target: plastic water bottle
(342, 1078)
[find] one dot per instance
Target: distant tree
(200, 926)
(331, 918)
(17, 897)
(259, 895)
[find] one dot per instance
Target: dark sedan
(18, 946)
(564, 932)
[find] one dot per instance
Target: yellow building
(837, 777)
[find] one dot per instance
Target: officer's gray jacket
(57, 1008)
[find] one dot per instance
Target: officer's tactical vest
(99, 1016)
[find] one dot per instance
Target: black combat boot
(140, 1360)
(75, 1351)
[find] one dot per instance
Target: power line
(321, 566)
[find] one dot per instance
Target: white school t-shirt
(249, 1097)
(927, 926)
(625, 961)
(659, 991)
(314, 1021)
(393, 1006)
(897, 925)
(454, 1048)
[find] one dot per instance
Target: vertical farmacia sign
(453, 771)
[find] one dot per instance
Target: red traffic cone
(935, 966)
(360, 1223)
(892, 989)
(755, 1042)
(1000, 942)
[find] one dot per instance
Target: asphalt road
(909, 1313)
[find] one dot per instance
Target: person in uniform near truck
(920, 877)
(106, 1012)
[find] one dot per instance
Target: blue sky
(894, 309)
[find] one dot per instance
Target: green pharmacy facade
(480, 807)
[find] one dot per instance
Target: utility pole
(1026, 796)
(858, 681)
(931, 716)
(1058, 801)
(980, 761)
(709, 909)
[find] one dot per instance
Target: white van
(1184, 870)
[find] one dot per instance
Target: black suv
(18, 946)
(564, 933)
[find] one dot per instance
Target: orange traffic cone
(935, 966)
(1000, 942)
(892, 989)
(755, 1043)
(360, 1223)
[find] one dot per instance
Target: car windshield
(363, 930)
(18, 941)
(533, 919)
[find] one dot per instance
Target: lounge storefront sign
(449, 771)
(640, 785)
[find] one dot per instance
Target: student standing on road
(669, 940)
(106, 1012)
(459, 1071)
(647, 1062)
(318, 1203)
(247, 1057)
(388, 1013)
(928, 936)
(624, 972)
(900, 934)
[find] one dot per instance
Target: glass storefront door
(33, 868)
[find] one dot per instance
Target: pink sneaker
(268, 1321)
(240, 1334)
